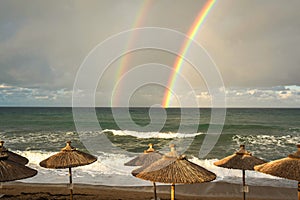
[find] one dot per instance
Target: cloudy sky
(253, 44)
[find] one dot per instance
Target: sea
(39, 132)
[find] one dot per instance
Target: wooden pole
(244, 184)
(173, 191)
(1, 187)
(71, 186)
(154, 190)
(298, 190)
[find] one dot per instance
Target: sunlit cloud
(21, 96)
(279, 96)
(3, 86)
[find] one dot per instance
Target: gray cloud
(255, 44)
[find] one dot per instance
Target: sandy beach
(206, 191)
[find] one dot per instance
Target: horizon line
(240, 107)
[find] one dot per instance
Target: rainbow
(139, 20)
(125, 60)
(179, 60)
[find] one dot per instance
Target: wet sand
(205, 191)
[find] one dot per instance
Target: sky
(253, 44)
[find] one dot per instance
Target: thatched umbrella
(174, 169)
(288, 168)
(10, 171)
(13, 156)
(148, 157)
(68, 157)
(241, 159)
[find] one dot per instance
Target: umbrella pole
(71, 186)
(298, 190)
(244, 184)
(173, 191)
(154, 190)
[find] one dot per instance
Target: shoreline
(204, 191)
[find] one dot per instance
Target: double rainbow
(179, 60)
(198, 22)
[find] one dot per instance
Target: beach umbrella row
(169, 168)
(174, 168)
(12, 165)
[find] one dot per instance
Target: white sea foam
(278, 140)
(109, 169)
(136, 134)
(281, 145)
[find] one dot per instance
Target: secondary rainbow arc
(198, 22)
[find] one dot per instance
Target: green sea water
(38, 133)
(260, 129)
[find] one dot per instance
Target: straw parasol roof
(68, 157)
(175, 170)
(13, 156)
(288, 167)
(242, 159)
(149, 156)
(10, 171)
(172, 168)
